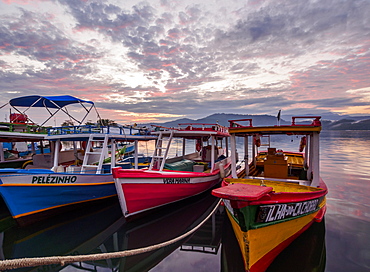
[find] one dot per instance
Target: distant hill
(268, 120)
(350, 124)
(223, 119)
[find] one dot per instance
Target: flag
(278, 116)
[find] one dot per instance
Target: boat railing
(193, 126)
(161, 128)
(94, 129)
(23, 127)
(233, 123)
(316, 120)
(203, 126)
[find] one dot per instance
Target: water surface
(340, 243)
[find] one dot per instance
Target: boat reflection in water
(100, 231)
(307, 253)
(168, 223)
(104, 230)
(72, 233)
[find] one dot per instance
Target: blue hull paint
(23, 200)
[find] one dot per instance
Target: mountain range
(349, 123)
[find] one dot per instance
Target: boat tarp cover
(183, 165)
(58, 101)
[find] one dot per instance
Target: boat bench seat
(46, 160)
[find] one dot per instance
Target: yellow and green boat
(274, 198)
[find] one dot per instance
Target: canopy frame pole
(88, 111)
(227, 146)
(58, 109)
(56, 153)
(316, 160)
(213, 145)
(136, 154)
(4, 105)
(113, 150)
(24, 112)
(2, 156)
(233, 155)
(246, 157)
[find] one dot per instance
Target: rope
(62, 260)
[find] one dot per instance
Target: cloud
(35, 37)
(193, 58)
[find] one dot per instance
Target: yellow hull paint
(256, 243)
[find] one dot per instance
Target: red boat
(203, 163)
(279, 195)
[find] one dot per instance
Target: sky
(156, 61)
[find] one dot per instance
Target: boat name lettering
(270, 213)
(54, 179)
(176, 180)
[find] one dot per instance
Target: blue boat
(74, 174)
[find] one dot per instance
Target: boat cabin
(203, 147)
(274, 162)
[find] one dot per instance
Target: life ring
(257, 140)
(198, 145)
(24, 165)
(302, 144)
(83, 145)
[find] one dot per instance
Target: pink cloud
(22, 2)
(82, 28)
(5, 45)
(331, 79)
(150, 53)
(172, 51)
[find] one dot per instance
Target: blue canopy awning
(58, 101)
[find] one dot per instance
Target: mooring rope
(62, 260)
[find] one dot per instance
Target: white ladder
(159, 157)
(102, 151)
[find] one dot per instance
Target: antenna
(278, 117)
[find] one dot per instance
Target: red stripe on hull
(320, 215)
(141, 197)
(119, 173)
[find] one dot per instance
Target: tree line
(100, 122)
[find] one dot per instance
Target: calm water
(341, 243)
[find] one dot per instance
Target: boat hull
(265, 222)
(142, 190)
(261, 246)
(34, 196)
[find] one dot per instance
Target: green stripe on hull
(259, 216)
